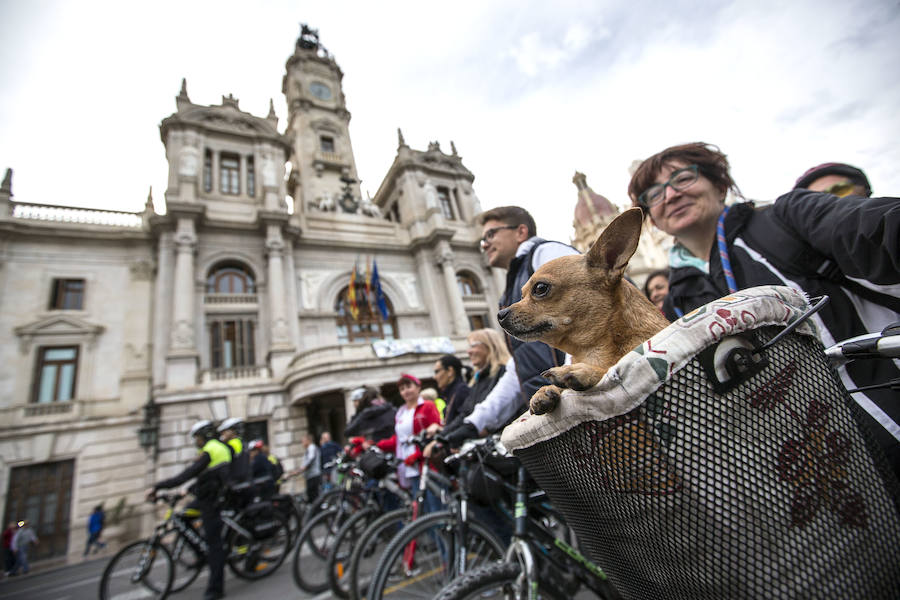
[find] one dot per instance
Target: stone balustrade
(81, 216)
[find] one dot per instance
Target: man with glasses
(509, 241)
(839, 179)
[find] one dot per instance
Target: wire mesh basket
(716, 482)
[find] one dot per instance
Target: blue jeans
(21, 561)
(432, 502)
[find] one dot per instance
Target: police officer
(230, 431)
(211, 469)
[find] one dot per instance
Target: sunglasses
(841, 189)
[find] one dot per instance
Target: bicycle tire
(346, 539)
(187, 561)
(258, 556)
(146, 563)
(288, 508)
(366, 553)
(499, 580)
(313, 549)
(430, 541)
(323, 501)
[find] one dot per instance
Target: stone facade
(231, 303)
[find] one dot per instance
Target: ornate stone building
(594, 212)
(123, 329)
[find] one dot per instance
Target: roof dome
(591, 206)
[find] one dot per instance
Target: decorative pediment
(61, 328)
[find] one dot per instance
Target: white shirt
(403, 427)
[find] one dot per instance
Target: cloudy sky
(529, 94)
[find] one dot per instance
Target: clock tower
(323, 170)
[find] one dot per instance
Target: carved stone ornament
(185, 241)
(369, 208)
(431, 197)
(189, 162)
(275, 246)
(183, 335)
(142, 270)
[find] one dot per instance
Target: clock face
(320, 90)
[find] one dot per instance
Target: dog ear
(618, 242)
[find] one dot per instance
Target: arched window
(468, 285)
(369, 323)
(230, 278)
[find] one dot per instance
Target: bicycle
(355, 551)
(725, 458)
(538, 563)
(436, 548)
(255, 542)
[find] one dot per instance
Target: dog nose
(501, 316)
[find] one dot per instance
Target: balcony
(213, 299)
(79, 216)
(232, 374)
(329, 160)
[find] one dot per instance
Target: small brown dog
(581, 305)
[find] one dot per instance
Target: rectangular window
(232, 344)
(251, 177)
(207, 171)
(477, 322)
(56, 372)
(230, 174)
(67, 294)
(326, 143)
(446, 206)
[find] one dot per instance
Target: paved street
(81, 581)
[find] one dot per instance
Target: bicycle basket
(769, 489)
(374, 464)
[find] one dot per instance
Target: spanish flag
(351, 295)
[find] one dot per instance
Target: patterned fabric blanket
(647, 367)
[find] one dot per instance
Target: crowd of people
(826, 236)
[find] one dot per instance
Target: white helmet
(230, 423)
(204, 428)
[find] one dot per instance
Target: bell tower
(323, 170)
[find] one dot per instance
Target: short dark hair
(710, 161)
(854, 174)
(656, 273)
(511, 215)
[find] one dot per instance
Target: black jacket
(484, 383)
(532, 358)
(861, 236)
(374, 422)
(455, 396)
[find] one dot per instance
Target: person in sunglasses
(847, 248)
(835, 178)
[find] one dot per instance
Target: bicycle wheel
(324, 501)
(418, 562)
(346, 539)
(142, 569)
(286, 506)
(499, 580)
(262, 552)
(369, 547)
(187, 560)
(314, 547)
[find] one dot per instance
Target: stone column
(281, 350)
(445, 260)
(182, 359)
(215, 173)
(162, 307)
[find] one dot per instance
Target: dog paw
(578, 377)
(545, 400)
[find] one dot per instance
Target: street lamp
(148, 434)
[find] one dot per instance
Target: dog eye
(540, 289)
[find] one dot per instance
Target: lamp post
(148, 434)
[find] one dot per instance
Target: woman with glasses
(847, 248)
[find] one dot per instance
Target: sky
(529, 92)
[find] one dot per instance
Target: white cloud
(529, 94)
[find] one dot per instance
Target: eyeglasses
(679, 181)
(474, 344)
(841, 189)
(490, 233)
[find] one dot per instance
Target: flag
(370, 299)
(351, 295)
(379, 293)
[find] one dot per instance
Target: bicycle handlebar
(873, 345)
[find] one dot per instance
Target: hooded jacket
(374, 422)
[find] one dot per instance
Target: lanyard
(723, 252)
(723, 255)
